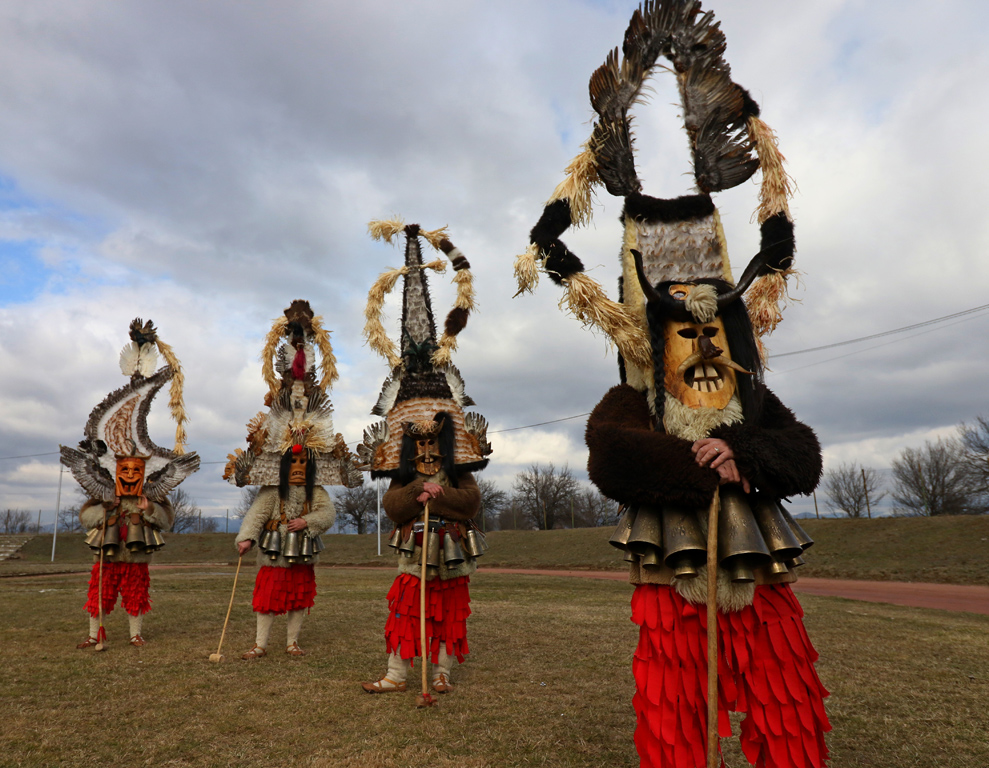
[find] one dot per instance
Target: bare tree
(852, 489)
(14, 521)
(357, 507)
(493, 500)
(187, 513)
(935, 480)
(975, 442)
(511, 518)
(68, 519)
(592, 509)
(544, 495)
(247, 496)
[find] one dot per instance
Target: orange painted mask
(130, 476)
(297, 469)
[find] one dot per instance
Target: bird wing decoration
(85, 468)
(161, 483)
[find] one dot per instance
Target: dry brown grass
(548, 682)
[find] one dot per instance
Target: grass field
(548, 682)
(942, 549)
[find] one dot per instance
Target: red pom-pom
(296, 448)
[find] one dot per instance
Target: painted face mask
(429, 460)
(699, 370)
(297, 469)
(130, 477)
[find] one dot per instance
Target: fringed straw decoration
(438, 266)
(385, 229)
(329, 363)
(768, 296)
(278, 326)
(588, 302)
(374, 331)
(577, 187)
(465, 302)
(527, 270)
(175, 401)
(434, 236)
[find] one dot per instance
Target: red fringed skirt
(279, 590)
(130, 580)
(765, 669)
(447, 609)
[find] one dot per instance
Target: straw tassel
(466, 304)
(175, 401)
(374, 331)
(527, 270)
(328, 365)
(278, 327)
(578, 186)
(587, 301)
(385, 229)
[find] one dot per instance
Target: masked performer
(292, 453)
(429, 448)
(692, 420)
(128, 479)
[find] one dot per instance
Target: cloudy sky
(203, 164)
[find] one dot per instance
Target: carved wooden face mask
(699, 370)
(130, 476)
(429, 460)
(297, 469)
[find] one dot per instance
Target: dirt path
(945, 597)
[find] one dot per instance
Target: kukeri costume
(128, 479)
(429, 447)
(292, 453)
(692, 414)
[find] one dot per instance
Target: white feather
(148, 360)
(128, 358)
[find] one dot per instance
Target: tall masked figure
(692, 423)
(128, 479)
(292, 453)
(428, 447)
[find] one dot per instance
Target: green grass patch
(548, 681)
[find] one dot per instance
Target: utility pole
(37, 528)
(571, 513)
(378, 522)
(815, 505)
(226, 524)
(865, 487)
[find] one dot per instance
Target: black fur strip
(561, 262)
(412, 230)
(553, 223)
(446, 246)
(749, 106)
(653, 209)
(778, 243)
(460, 262)
(456, 321)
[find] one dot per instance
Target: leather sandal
(137, 641)
(384, 685)
(441, 684)
(255, 652)
(89, 642)
(295, 650)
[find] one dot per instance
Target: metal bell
(619, 538)
(264, 542)
(292, 549)
(433, 549)
(111, 540)
(802, 535)
(651, 559)
(274, 545)
(629, 557)
(93, 538)
(317, 544)
(452, 553)
(408, 546)
(738, 532)
(775, 529)
(739, 571)
(135, 535)
(153, 540)
(395, 539)
(646, 534)
(683, 541)
(470, 544)
(306, 550)
(795, 562)
(778, 568)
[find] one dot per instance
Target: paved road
(946, 597)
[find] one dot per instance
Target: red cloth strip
(279, 590)
(765, 669)
(130, 580)
(447, 609)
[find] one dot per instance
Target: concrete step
(11, 543)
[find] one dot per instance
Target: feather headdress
(118, 426)
(299, 415)
(423, 380)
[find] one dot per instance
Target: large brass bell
(264, 542)
(395, 539)
(408, 546)
(453, 555)
(93, 538)
(775, 529)
(306, 550)
(623, 530)
(111, 540)
(801, 535)
(317, 544)
(646, 535)
(274, 545)
(153, 539)
(292, 549)
(135, 535)
(432, 549)
(683, 542)
(471, 544)
(741, 546)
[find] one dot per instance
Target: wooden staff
(712, 631)
(424, 700)
(218, 656)
(101, 632)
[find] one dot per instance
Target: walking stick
(712, 632)
(101, 632)
(218, 656)
(424, 700)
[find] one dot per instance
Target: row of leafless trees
(949, 476)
